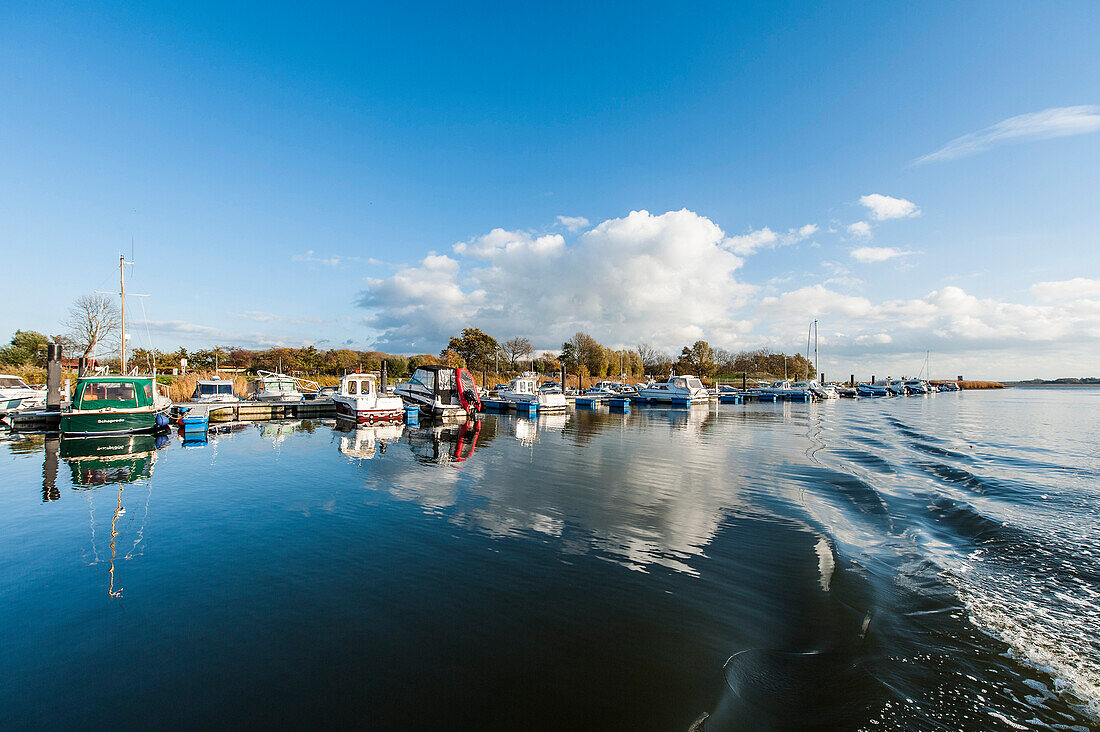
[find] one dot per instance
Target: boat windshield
(100, 394)
(211, 389)
(424, 378)
(695, 384)
(286, 387)
(12, 382)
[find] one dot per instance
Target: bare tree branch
(92, 320)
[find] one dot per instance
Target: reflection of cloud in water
(624, 493)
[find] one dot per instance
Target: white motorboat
(676, 389)
(917, 386)
(871, 390)
(896, 387)
(441, 391)
(359, 400)
(272, 387)
(214, 390)
(525, 390)
(604, 390)
(16, 395)
(800, 388)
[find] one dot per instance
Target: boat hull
(368, 416)
(111, 423)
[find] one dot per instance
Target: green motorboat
(115, 405)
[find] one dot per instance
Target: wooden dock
(251, 411)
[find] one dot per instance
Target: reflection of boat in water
(121, 459)
(362, 443)
(279, 431)
(444, 443)
(113, 459)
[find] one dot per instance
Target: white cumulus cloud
(667, 279)
(870, 255)
(1078, 287)
(883, 208)
(1053, 122)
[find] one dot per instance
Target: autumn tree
(697, 359)
(477, 348)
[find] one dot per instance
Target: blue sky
(379, 175)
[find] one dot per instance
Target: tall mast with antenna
(817, 368)
(122, 299)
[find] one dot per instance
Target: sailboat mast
(122, 299)
(817, 368)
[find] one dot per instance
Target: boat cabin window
(425, 378)
(447, 380)
(680, 383)
(98, 394)
(211, 389)
(353, 387)
(12, 382)
(695, 383)
(148, 389)
(286, 387)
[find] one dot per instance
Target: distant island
(1064, 381)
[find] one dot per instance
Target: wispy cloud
(1053, 122)
(884, 208)
(573, 223)
(746, 244)
(262, 317)
(870, 255)
(333, 260)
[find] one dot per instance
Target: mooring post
(872, 378)
(49, 470)
(383, 389)
(744, 381)
(53, 377)
(821, 378)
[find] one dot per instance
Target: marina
(706, 561)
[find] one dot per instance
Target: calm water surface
(927, 563)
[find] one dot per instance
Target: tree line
(92, 324)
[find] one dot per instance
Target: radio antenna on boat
(122, 310)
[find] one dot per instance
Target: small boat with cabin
(269, 386)
(917, 386)
(214, 391)
(16, 395)
(115, 405)
(525, 390)
(441, 391)
(359, 400)
(871, 390)
(896, 387)
(677, 389)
